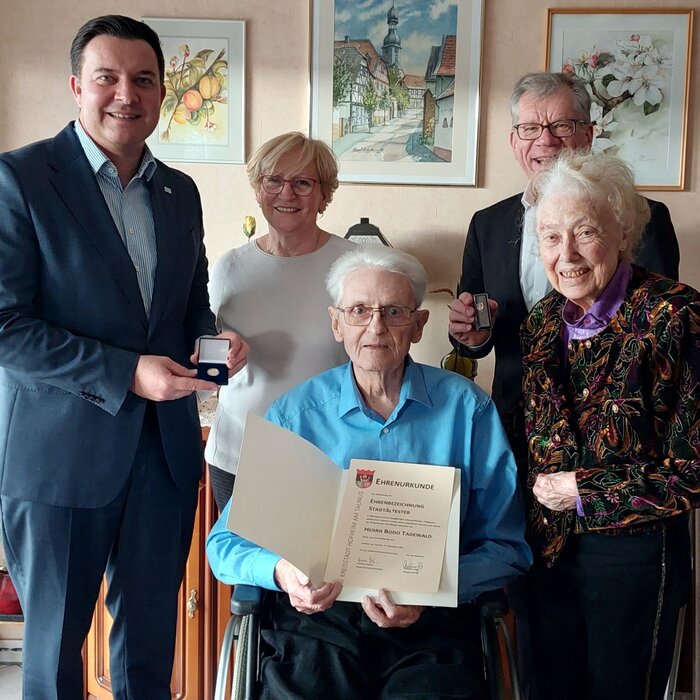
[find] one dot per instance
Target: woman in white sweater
(272, 292)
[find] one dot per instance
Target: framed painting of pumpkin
(202, 117)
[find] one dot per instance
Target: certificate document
(375, 525)
(392, 526)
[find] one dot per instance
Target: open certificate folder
(375, 525)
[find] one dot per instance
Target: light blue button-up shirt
(130, 208)
(534, 283)
(441, 418)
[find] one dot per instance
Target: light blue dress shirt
(442, 419)
(534, 283)
(130, 208)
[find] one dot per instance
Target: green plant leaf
(197, 64)
(170, 103)
(204, 54)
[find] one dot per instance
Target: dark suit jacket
(72, 326)
(491, 264)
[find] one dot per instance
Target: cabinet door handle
(192, 603)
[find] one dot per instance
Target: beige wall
(429, 222)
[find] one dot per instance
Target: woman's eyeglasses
(302, 186)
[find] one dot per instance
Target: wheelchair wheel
(238, 684)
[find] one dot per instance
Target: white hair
(599, 177)
(376, 258)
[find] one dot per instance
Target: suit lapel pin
(168, 190)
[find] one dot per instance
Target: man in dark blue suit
(103, 295)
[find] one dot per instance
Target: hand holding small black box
(211, 364)
(482, 320)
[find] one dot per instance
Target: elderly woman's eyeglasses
(559, 129)
(361, 315)
(302, 186)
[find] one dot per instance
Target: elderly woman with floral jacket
(611, 391)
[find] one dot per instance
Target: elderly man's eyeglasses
(559, 129)
(302, 186)
(361, 315)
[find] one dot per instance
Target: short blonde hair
(265, 160)
(600, 177)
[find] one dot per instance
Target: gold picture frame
(636, 64)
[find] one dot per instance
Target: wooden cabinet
(203, 606)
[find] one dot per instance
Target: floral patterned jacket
(623, 411)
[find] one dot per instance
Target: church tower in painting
(392, 41)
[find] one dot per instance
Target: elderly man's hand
(385, 613)
(463, 318)
(303, 596)
(556, 491)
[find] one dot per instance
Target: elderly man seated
(384, 406)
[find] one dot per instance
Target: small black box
(483, 313)
(211, 365)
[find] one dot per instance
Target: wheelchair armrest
(492, 604)
(496, 641)
(246, 600)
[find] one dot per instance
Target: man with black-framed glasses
(550, 113)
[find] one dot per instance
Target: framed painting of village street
(202, 115)
(395, 88)
(636, 66)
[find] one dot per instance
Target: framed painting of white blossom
(395, 88)
(636, 68)
(202, 117)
